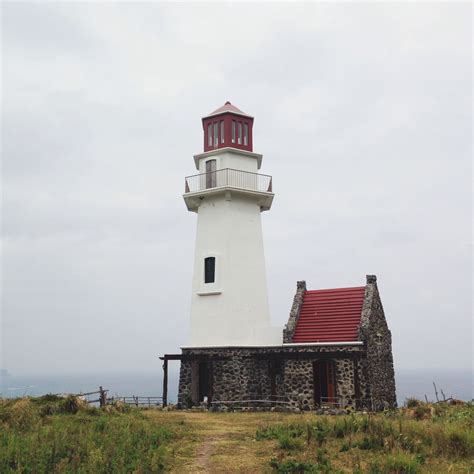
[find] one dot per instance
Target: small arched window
(209, 269)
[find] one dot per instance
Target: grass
(51, 434)
(420, 438)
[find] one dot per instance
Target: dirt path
(218, 442)
(204, 452)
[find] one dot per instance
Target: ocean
(410, 383)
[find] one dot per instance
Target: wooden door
(203, 380)
(324, 381)
(331, 382)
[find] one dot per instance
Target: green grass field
(52, 434)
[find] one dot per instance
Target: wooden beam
(165, 382)
(272, 374)
(356, 383)
(210, 376)
(191, 357)
(304, 355)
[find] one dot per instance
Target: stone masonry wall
(378, 340)
(243, 376)
(290, 327)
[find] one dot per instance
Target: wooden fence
(103, 399)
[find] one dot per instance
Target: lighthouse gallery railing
(228, 177)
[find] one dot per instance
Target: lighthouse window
(233, 131)
(209, 269)
(209, 134)
(240, 134)
(246, 134)
(216, 134)
(222, 131)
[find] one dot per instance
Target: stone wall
(290, 327)
(243, 374)
(377, 337)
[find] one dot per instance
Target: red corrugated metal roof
(330, 315)
(227, 107)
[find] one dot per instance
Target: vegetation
(420, 438)
(53, 434)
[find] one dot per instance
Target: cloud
(363, 113)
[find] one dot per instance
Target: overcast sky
(362, 113)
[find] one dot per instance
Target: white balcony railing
(228, 177)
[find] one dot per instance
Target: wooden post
(272, 375)
(436, 392)
(210, 376)
(165, 382)
(102, 397)
(356, 384)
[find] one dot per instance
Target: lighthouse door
(203, 380)
(210, 174)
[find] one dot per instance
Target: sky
(363, 116)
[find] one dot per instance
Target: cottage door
(324, 382)
(331, 382)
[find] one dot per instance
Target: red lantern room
(227, 127)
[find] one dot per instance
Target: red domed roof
(228, 107)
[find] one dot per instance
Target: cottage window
(209, 269)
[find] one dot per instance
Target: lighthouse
(229, 305)
(335, 350)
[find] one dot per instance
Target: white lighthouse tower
(229, 292)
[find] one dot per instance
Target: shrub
(422, 412)
(460, 442)
(292, 466)
(412, 402)
(287, 442)
(370, 443)
(323, 460)
(71, 404)
(293, 430)
(344, 447)
(19, 414)
(395, 464)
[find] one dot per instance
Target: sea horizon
(418, 383)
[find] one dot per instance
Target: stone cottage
(335, 351)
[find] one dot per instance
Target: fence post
(102, 397)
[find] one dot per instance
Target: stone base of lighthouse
(259, 377)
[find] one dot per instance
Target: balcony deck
(228, 179)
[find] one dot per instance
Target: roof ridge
(338, 289)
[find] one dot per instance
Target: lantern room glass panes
(222, 131)
(246, 134)
(239, 141)
(233, 131)
(209, 269)
(209, 135)
(216, 134)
